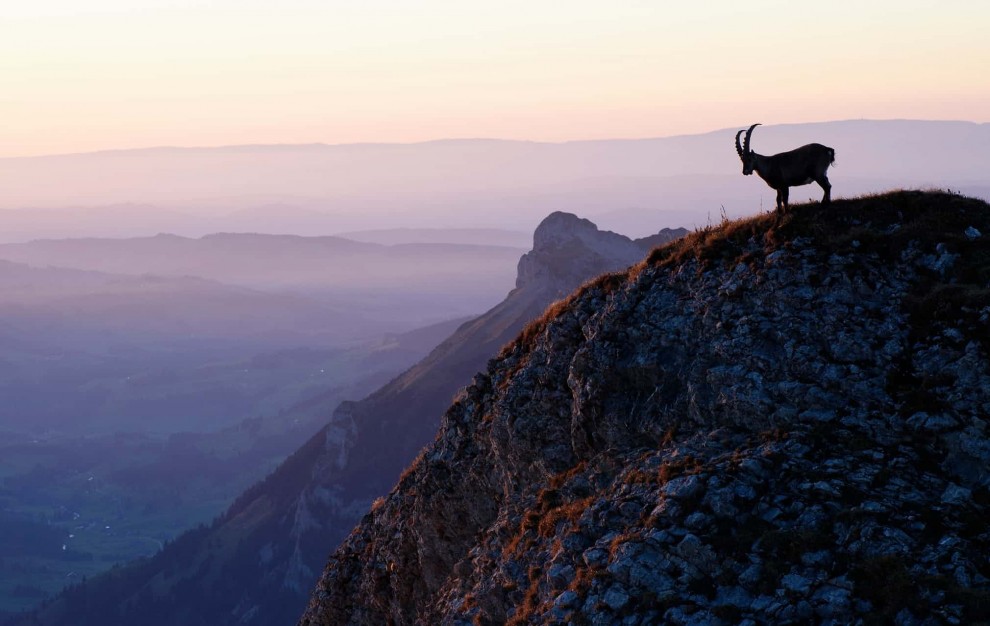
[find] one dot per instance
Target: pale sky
(83, 75)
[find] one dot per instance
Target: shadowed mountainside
(779, 420)
(258, 562)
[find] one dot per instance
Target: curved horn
(749, 133)
(739, 149)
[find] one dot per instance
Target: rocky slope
(259, 561)
(367, 444)
(781, 420)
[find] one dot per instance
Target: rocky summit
(778, 420)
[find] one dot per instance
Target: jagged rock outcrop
(781, 420)
(259, 562)
(568, 250)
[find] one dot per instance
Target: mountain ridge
(464, 184)
(759, 423)
(458, 140)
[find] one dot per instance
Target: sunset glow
(126, 74)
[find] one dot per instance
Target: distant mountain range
(434, 281)
(92, 352)
(147, 333)
(257, 563)
(71, 302)
(632, 186)
(473, 236)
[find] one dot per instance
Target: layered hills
(258, 562)
(623, 185)
(428, 282)
(777, 420)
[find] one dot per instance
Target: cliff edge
(778, 420)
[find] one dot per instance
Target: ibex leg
(782, 198)
(827, 186)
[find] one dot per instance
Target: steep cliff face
(258, 563)
(781, 420)
(367, 444)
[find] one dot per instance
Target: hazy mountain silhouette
(87, 351)
(403, 286)
(324, 189)
(61, 303)
(472, 236)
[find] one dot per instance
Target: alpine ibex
(788, 169)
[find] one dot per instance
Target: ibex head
(744, 152)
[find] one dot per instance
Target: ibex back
(782, 171)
